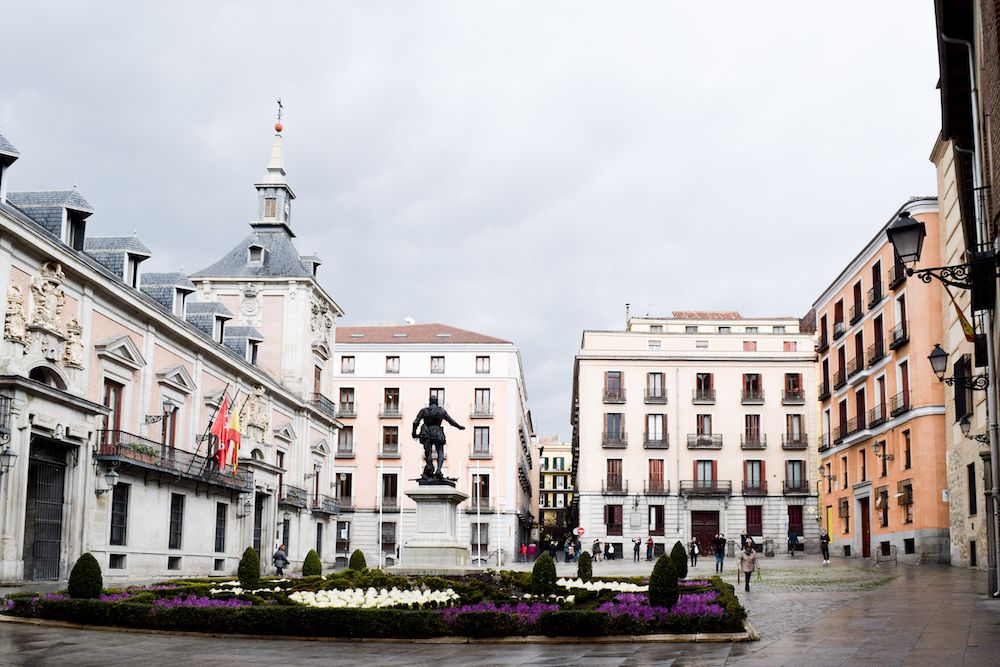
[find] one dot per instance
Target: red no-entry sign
(579, 531)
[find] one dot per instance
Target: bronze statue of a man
(432, 435)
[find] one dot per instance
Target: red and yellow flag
(220, 431)
(233, 436)
(967, 328)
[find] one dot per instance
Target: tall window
(392, 364)
(753, 472)
(482, 398)
(655, 427)
(843, 466)
(752, 386)
(391, 400)
(221, 510)
(863, 455)
(347, 400)
(481, 489)
(347, 365)
(390, 486)
(970, 487)
(438, 393)
(613, 425)
(176, 521)
(113, 402)
(319, 539)
(963, 394)
(655, 390)
(388, 530)
(656, 519)
(793, 427)
(793, 385)
(906, 450)
(795, 474)
(613, 385)
(437, 364)
(704, 473)
(480, 539)
(344, 486)
(279, 460)
(883, 445)
(317, 379)
(481, 440)
(168, 431)
(844, 510)
(613, 519)
(751, 425)
(882, 503)
(390, 440)
(270, 206)
(345, 440)
(614, 471)
(755, 520)
(704, 386)
(482, 364)
(656, 477)
(119, 513)
(704, 424)
(343, 544)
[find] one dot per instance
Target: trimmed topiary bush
(679, 555)
(85, 580)
(313, 566)
(358, 561)
(585, 567)
(663, 588)
(249, 569)
(543, 575)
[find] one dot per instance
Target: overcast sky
(522, 169)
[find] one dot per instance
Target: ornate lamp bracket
(974, 382)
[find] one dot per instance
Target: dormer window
(255, 254)
(219, 329)
(270, 208)
(132, 270)
(252, 348)
(74, 231)
(180, 302)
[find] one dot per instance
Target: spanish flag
(967, 328)
(233, 435)
(220, 431)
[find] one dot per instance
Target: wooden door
(866, 529)
(704, 526)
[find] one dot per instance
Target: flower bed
(373, 604)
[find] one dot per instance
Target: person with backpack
(748, 563)
(693, 551)
(280, 560)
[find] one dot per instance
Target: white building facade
(696, 424)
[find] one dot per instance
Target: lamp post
(907, 236)
(7, 458)
(111, 478)
(168, 409)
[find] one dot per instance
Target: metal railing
(703, 396)
(344, 503)
(614, 395)
(706, 487)
(824, 442)
(856, 313)
(854, 366)
(899, 335)
(758, 488)
(824, 390)
(389, 503)
(899, 403)
(839, 379)
(876, 415)
(839, 433)
(876, 352)
(389, 450)
(121, 447)
(614, 439)
(293, 496)
(658, 396)
(481, 410)
(839, 329)
(324, 405)
(795, 486)
(344, 450)
(752, 396)
(793, 397)
(875, 295)
(823, 344)
(347, 410)
(480, 451)
(658, 441)
(614, 485)
(856, 424)
(897, 274)
(753, 440)
(389, 411)
(704, 441)
(323, 504)
(794, 440)
(656, 486)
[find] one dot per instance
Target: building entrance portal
(43, 514)
(704, 526)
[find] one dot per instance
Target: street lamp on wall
(878, 448)
(966, 426)
(168, 409)
(7, 458)
(111, 477)
(939, 364)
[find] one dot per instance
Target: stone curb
(750, 634)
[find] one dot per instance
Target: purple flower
(6, 605)
(54, 597)
(115, 597)
(526, 613)
(195, 601)
(692, 583)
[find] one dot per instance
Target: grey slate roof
(281, 259)
(7, 148)
(236, 338)
(50, 199)
(160, 287)
(202, 314)
(129, 244)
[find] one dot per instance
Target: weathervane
(278, 127)
(280, 107)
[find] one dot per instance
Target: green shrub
(543, 575)
(358, 561)
(312, 566)
(520, 581)
(85, 580)
(485, 624)
(249, 569)
(680, 558)
(663, 589)
(360, 579)
(728, 600)
(573, 624)
(585, 567)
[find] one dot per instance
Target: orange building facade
(882, 474)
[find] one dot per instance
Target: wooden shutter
(715, 470)
(745, 465)
(695, 474)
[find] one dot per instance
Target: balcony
(656, 441)
(876, 416)
(656, 396)
(824, 442)
(480, 451)
(839, 433)
(839, 330)
(793, 397)
(389, 503)
(795, 487)
(656, 487)
(854, 366)
(614, 486)
(856, 424)
(293, 496)
(481, 411)
(323, 504)
(324, 405)
(752, 396)
(897, 274)
(824, 391)
(899, 403)
(899, 335)
(614, 395)
(614, 439)
(875, 295)
(839, 379)
(478, 504)
(121, 448)
(389, 411)
(703, 396)
(856, 313)
(755, 488)
(876, 352)
(753, 440)
(823, 344)
(794, 440)
(706, 487)
(345, 450)
(704, 441)
(347, 410)
(389, 450)
(344, 503)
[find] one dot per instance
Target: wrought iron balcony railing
(703, 396)
(614, 395)
(899, 335)
(839, 329)
(897, 274)
(659, 487)
(856, 313)
(614, 486)
(795, 487)
(854, 366)
(481, 411)
(793, 397)
(824, 391)
(345, 450)
(347, 410)
(389, 411)
(324, 405)
(875, 295)
(899, 403)
(755, 488)
(389, 450)
(389, 503)
(823, 344)
(753, 440)
(293, 496)
(480, 451)
(752, 396)
(478, 504)
(706, 487)
(704, 441)
(876, 352)
(794, 440)
(839, 379)
(856, 424)
(824, 442)
(656, 396)
(614, 439)
(656, 441)
(876, 415)
(323, 504)
(344, 503)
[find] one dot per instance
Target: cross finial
(280, 107)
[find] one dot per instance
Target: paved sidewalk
(807, 614)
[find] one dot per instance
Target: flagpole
(205, 436)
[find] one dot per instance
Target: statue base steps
(435, 548)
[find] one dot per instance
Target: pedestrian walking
(748, 563)
(636, 545)
(793, 540)
(597, 550)
(824, 546)
(280, 560)
(649, 548)
(693, 551)
(524, 552)
(608, 555)
(577, 548)
(720, 551)
(552, 549)
(568, 551)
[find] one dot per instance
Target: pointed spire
(276, 167)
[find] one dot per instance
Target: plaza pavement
(807, 613)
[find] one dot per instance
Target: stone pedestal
(435, 546)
